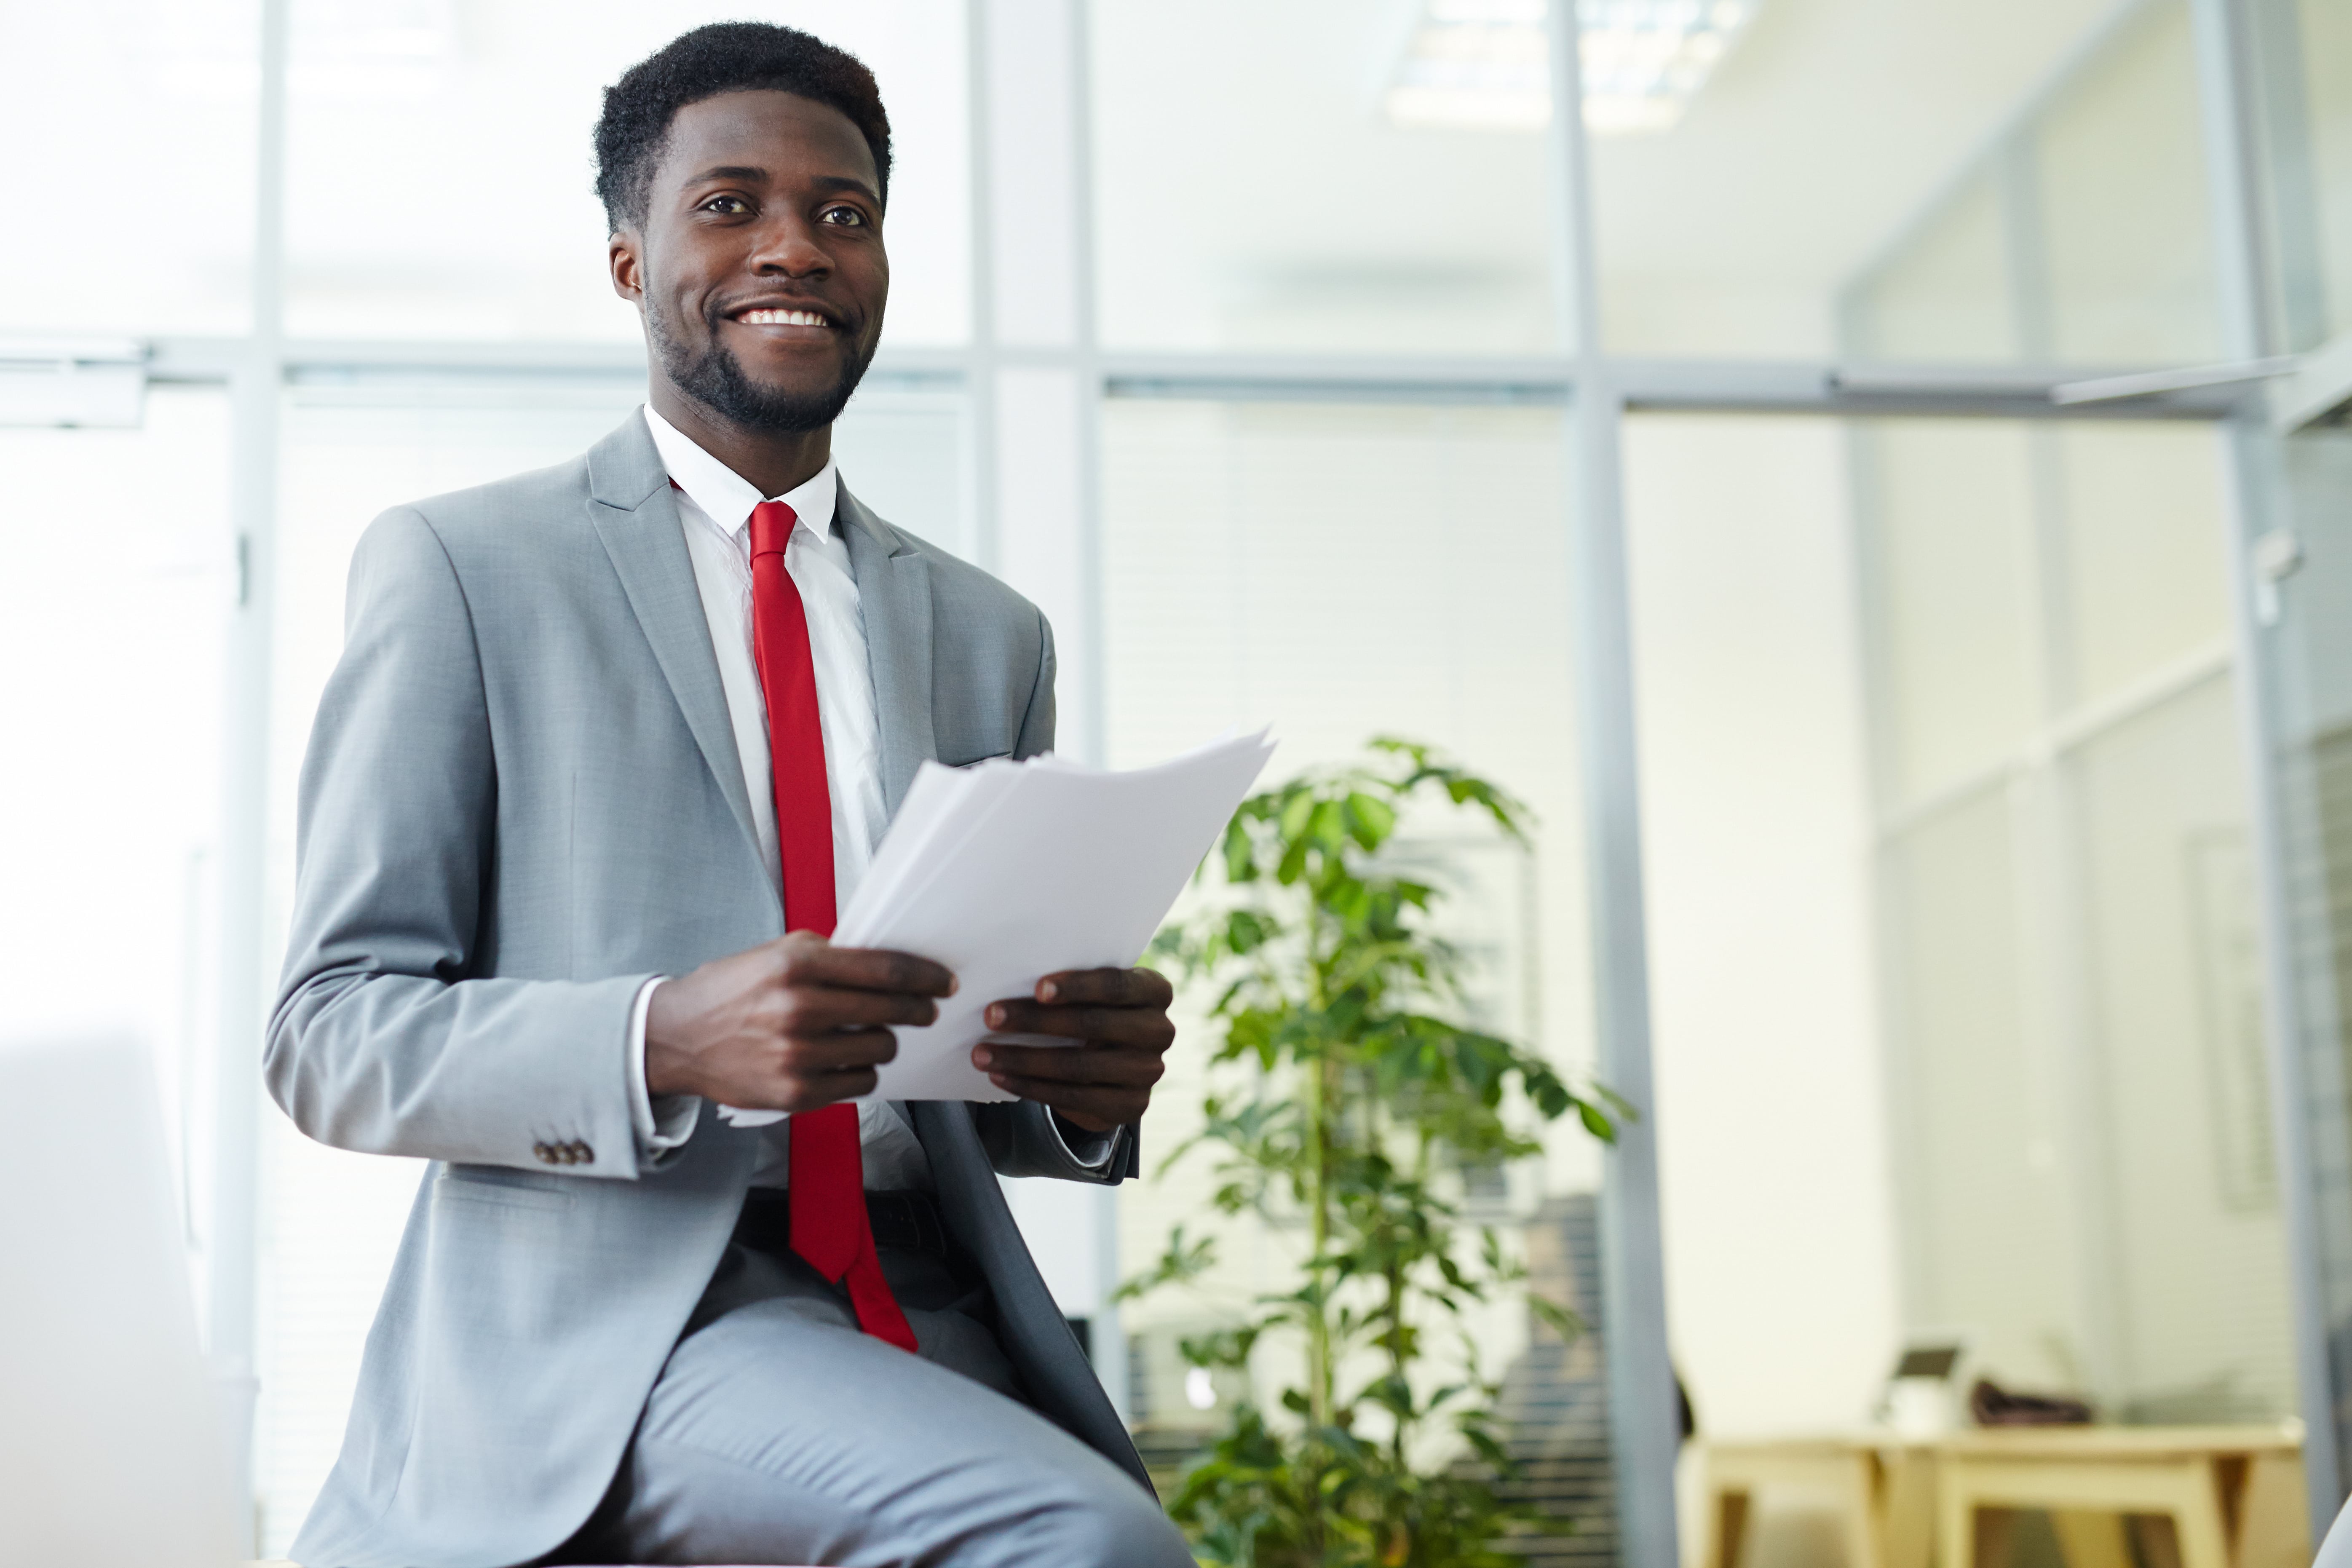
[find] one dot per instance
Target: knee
(1121, 1527)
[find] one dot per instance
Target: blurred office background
(1882, 461)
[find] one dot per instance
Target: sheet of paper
(941, 805)
(1067, 869)
(1011, 871)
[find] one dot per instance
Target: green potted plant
(1349, 1097)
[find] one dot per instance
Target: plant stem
(1394, 1306)
(1319, 1108)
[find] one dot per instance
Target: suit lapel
(894, 597)
(638, 521)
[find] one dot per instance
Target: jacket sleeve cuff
(1023, 1140)
(1090, 1150)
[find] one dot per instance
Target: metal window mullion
(1110, 1332)
(979, 374)
(1644, 383)
(255, 380)
(1088, 362)
(1644, 1416)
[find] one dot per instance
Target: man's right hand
(795, 1025)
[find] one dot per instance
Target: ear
(623, 258)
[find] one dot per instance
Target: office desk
(2234, 1494)
(1882, 1487)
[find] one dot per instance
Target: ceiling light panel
(1483, 65)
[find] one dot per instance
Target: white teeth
(781, 318)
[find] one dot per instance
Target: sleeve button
(546, 1155)
(582, 1155)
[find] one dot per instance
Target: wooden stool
(2234, 1494)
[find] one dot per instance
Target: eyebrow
(753, 172)
(844, 183)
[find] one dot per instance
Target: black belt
(902, 1221)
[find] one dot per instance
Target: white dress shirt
(714, 508)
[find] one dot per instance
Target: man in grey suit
(539, 938)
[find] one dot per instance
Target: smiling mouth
(777, 317)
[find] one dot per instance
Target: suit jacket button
(582, 1155)
(546, 1155)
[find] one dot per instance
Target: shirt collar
(725, 496)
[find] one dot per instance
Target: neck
(773, 462)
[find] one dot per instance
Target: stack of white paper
(1007, 872)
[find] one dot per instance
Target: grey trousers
(777, 1432)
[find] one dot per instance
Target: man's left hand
(1119, 1018)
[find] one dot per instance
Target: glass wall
(2030, 187)
(2308, 720)
(123, 576)
(1292, 212)
(1960, 1013)
(2072, 997)
(134, 192)
(2306, 111)
(2294, 472)
(1779, 1229)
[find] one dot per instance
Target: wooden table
(1882, 1487)
(2234, 1494)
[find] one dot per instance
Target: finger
(1113, 1065)
(847, 1050)
(812, 1010)
(1107, 988)
(819, 962)
(1097, 1109)
(815, 1091)
(797, 1091)
(1146, 1026)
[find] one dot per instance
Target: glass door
(2296, 592)
(2294, 587)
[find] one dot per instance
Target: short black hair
(725, 56)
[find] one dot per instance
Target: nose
(786, 247)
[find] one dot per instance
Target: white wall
(1779, 1258)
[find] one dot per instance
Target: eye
(726, 205)
(843, 215)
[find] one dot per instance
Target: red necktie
(828, 1197)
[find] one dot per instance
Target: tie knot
(772, 527)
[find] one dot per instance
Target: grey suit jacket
(522, 800)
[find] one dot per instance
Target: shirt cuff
(1090, 1150)
(662, 1126)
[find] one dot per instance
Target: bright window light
(1482, 64)
(1200, 1389)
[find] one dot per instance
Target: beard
(715, 378)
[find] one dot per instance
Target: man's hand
(795, 1025)
(1120, 1017)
